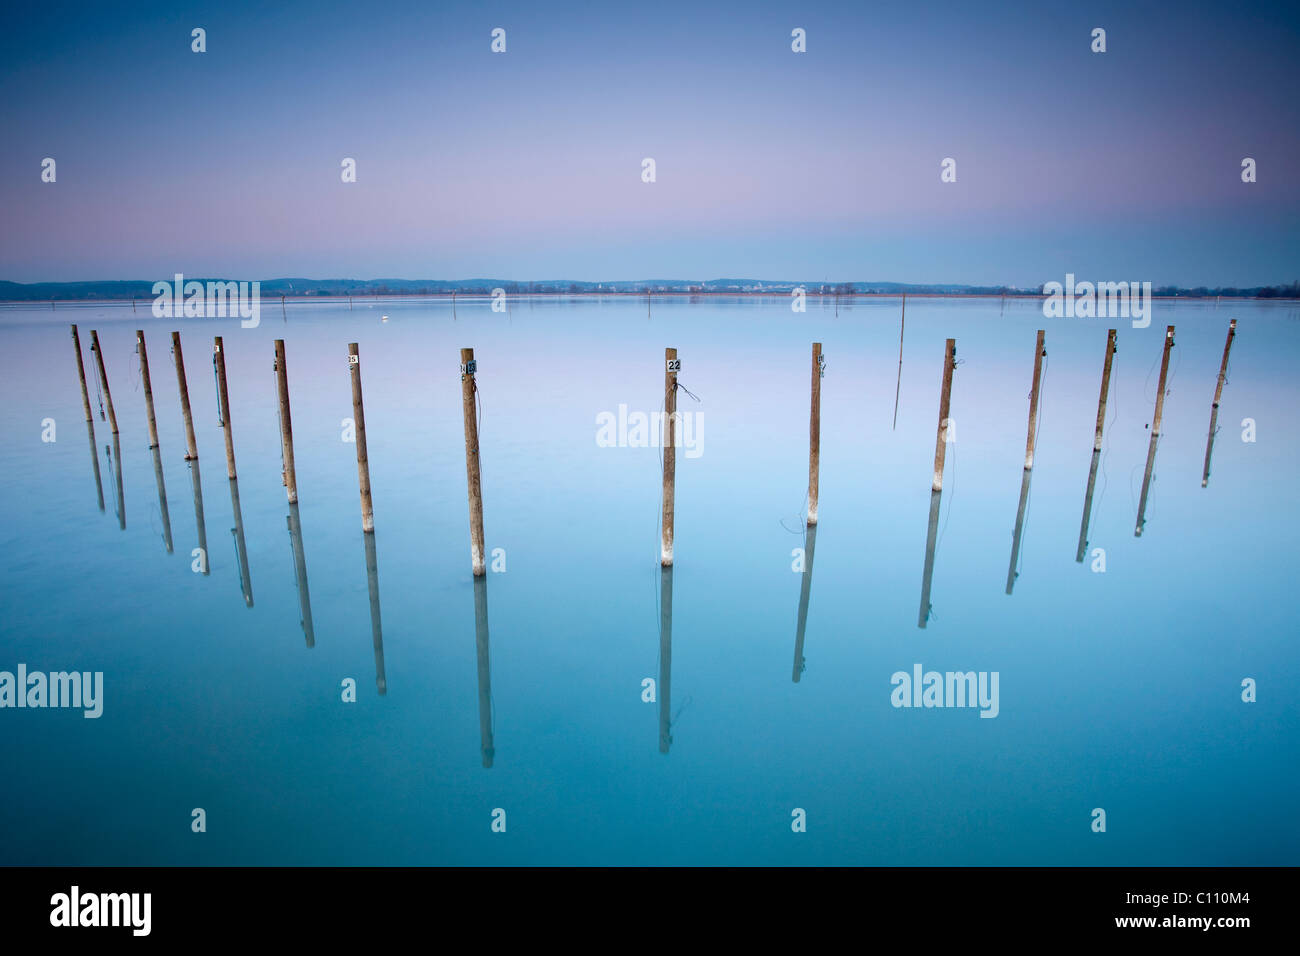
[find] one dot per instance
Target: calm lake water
(1119, 690)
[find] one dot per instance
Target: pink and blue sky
(770, 164)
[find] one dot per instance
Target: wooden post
(223, 398)
(289, 476)
(664, 691)
(162, 498)
(1105, 390)
(482, 647)
(191, 446)
(103, 379)
(1096, 447)
(1214, 409)
(1032, 437)
(376, 624)
(148, 388)
(945, 395)
(363, 460)
(81, 374)
(671, 367)
(805, 591)
(468, 388)
(815, 433)
(1155, 432)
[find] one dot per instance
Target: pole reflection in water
(162, 497)
(300, 572)
(116, 458)
(241, 549)
(201, 526)
(664, 690)
(1087, 507)
(376, 627)
(1012, 573)
(928, 573)
(94, 461)
(805, 589)
(484, 670)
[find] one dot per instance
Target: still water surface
(1119, 690)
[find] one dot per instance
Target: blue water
(1119, 690)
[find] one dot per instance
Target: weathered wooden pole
(671, 367)
(468, 388)
(805, 592)
(1096, 447)
(294, 521)
(289, 475)
(664, 691)
(376, 624)
(223, 398)
(1032, 437)
(815, 433)
(162, 498)
(945, 396)
(483, 653)
(148, 388)
(1155, 432)
(363, 460)
(81, 374)
(103, 379)
(1218, 394)
(191, 446)
(1105, 390)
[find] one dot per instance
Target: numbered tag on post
(470, 367)
(354, 360)
(674, 365)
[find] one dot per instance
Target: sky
(769, 164)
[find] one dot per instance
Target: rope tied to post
(680, 387)
(478, 405)
(99, 394)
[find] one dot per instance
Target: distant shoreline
(774, 294)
